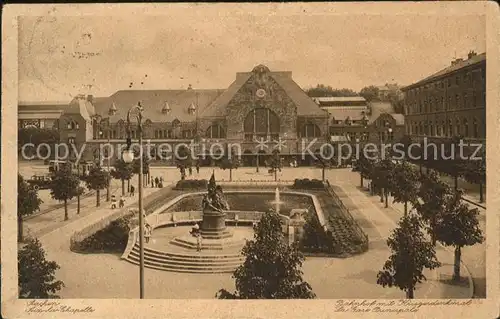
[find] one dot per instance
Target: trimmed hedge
(112, 238)
(316, 240)
(307, 183)
(191, 184)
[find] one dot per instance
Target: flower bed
(112, 238)
(192, 184)
(307, 183)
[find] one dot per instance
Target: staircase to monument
(187, 262)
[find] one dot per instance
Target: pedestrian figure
(198, 242)
(132, 190)
(157, 181)
(197, 168)
(152, 182)
(113, 202)
(195, 230)
(122, 202)
(147, 232)
(190, 171)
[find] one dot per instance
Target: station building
(260, 112)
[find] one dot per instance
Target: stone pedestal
(213, 225)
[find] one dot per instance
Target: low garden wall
(151, 203)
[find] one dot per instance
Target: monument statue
(214, 199)
(213, 205)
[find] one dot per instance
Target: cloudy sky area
(206, 48)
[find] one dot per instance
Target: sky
(62, 56)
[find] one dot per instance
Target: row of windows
(453, 128)
(460, 101)
(44, 123)
(466, 78)
(159, 134)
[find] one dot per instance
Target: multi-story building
(260, 112)
(388, 89)
(451, 102)
(258, 106)
(353, 118)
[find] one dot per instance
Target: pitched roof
(218, 106)
(42, 106)
(379, 108)
(153, 102)
(452, 68)
(305, 105)
(339, 98)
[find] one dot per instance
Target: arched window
(72, 125)
(466, 127)
(457, 128)
(450, 128)
(215, 131)
(431, 129)
(261, 123)
(310, 130)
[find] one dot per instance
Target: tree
(97, 179)
(122, 171)
(324, 164)
(36, 276)
(364, 166)
(64, 186)
(276, 164)
(230, 161)
(370, 93)
(406, 182)
(327, 91)
(432, 194)
(383, 177)
(411, 254)
(37, 136)
(184, 160)
(458, 227)
(27, 203)
(272, 267)
(474, 171)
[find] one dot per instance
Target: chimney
(471, 54)
(190, 87)
(456, 61)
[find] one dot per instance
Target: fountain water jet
(277, 202)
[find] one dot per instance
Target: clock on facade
(260, 93)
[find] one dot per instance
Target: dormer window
(176, 122)
(166, 108)
(112, 109)
(72, 125)
(191, 109)
(348, 120)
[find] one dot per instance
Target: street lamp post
(109, 179)
(128, 157)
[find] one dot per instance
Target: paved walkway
(107, 276)
(473, 257)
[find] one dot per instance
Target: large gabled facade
(259, 106)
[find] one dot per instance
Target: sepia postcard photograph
(210, 158)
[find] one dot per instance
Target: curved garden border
(155, 219)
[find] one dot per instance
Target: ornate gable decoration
(112, 109)
(261, 75)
